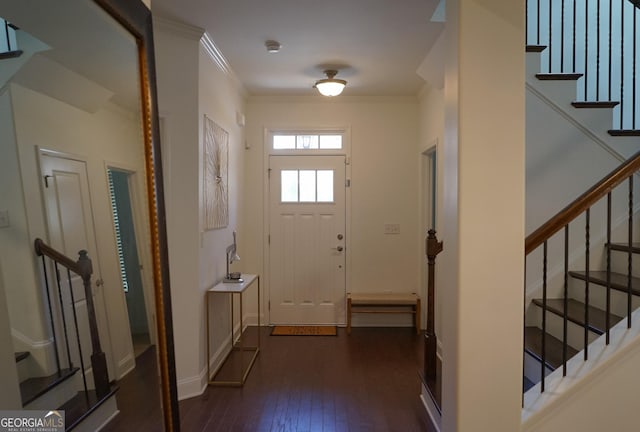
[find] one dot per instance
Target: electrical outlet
(392, 228)
(4, 218)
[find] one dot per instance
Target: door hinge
(46, 181)
(268, 238)
(347, 183)
(269, 305)
(269, 173)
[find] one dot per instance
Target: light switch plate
(4, 218)
(392, 228)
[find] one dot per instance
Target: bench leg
(348, 316)
(418, 315)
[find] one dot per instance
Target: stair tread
(618, 280)
(535, 48)
(558, 76)
(575, 313)
(21, 355)
(553, 354)
(624, 247)
(595, 104)
(10, 54)
(82, 405)
(624, 132)
(32, 388)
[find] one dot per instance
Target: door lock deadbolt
(340, 236)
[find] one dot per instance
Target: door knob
(339, 248)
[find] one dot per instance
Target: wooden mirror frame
(135, 17)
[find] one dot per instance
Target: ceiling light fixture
(272, 46)
(330, 86)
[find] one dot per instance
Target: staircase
(584, 285)
(79, 384)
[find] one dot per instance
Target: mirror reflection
(72, 174)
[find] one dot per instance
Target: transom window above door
(307, 141)
(306, 186)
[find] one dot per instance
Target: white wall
(10, 394)
(484, 156)
(384, 183)
(187, 90)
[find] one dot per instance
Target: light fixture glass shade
(330, 86)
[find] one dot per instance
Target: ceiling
(377, 45)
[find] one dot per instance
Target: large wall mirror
(80, 168)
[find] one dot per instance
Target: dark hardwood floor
(364, 382)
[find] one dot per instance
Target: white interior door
(70, 225)
(307, 247)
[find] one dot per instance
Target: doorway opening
(128, 259)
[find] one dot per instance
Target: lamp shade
(330, 86)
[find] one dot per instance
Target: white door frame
(268, 132)
(428, 203)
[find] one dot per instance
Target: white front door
(307, 246)
(70, 226)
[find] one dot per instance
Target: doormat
(306, 330)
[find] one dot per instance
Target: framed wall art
(216, 175)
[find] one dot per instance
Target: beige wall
(187, 90)
(483, 232)
(384, 183)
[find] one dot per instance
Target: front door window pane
(307, 185)
(325, 185)
(289, 185)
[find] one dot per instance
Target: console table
(234, 289)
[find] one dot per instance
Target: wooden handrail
(583, 202)
(44, 249)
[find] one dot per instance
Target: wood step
(558, 76)
(624, 247)
(575, 314)
(22, 355)
(595, 104)
(82, 405)
(554, 346)
(624, 132)
(10, 54)
(618, 280)
(33, 388)
(535, 48)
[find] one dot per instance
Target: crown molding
(219, 60)
(177, 28)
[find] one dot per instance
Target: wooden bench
(383, 303)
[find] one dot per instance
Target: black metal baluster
(538, 29)
(565, 301)
(62, 314)
(550, 34)
(630, 252)
(562, 37)
(586, 51)
(608, 311)
(53, 327)
(586, 284)
(610, 47)
(75, 320)
(573, 39)
(622, 64)
(544, 316)
(633, 75)
(598, 52)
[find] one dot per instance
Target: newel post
(98, 359)
(433, 248)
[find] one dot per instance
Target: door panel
(307, 246)
(70, 225)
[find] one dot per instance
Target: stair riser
(55, 397)
(532, 368)
(598, 298)
(555, 326)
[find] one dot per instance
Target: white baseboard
(432, 411)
